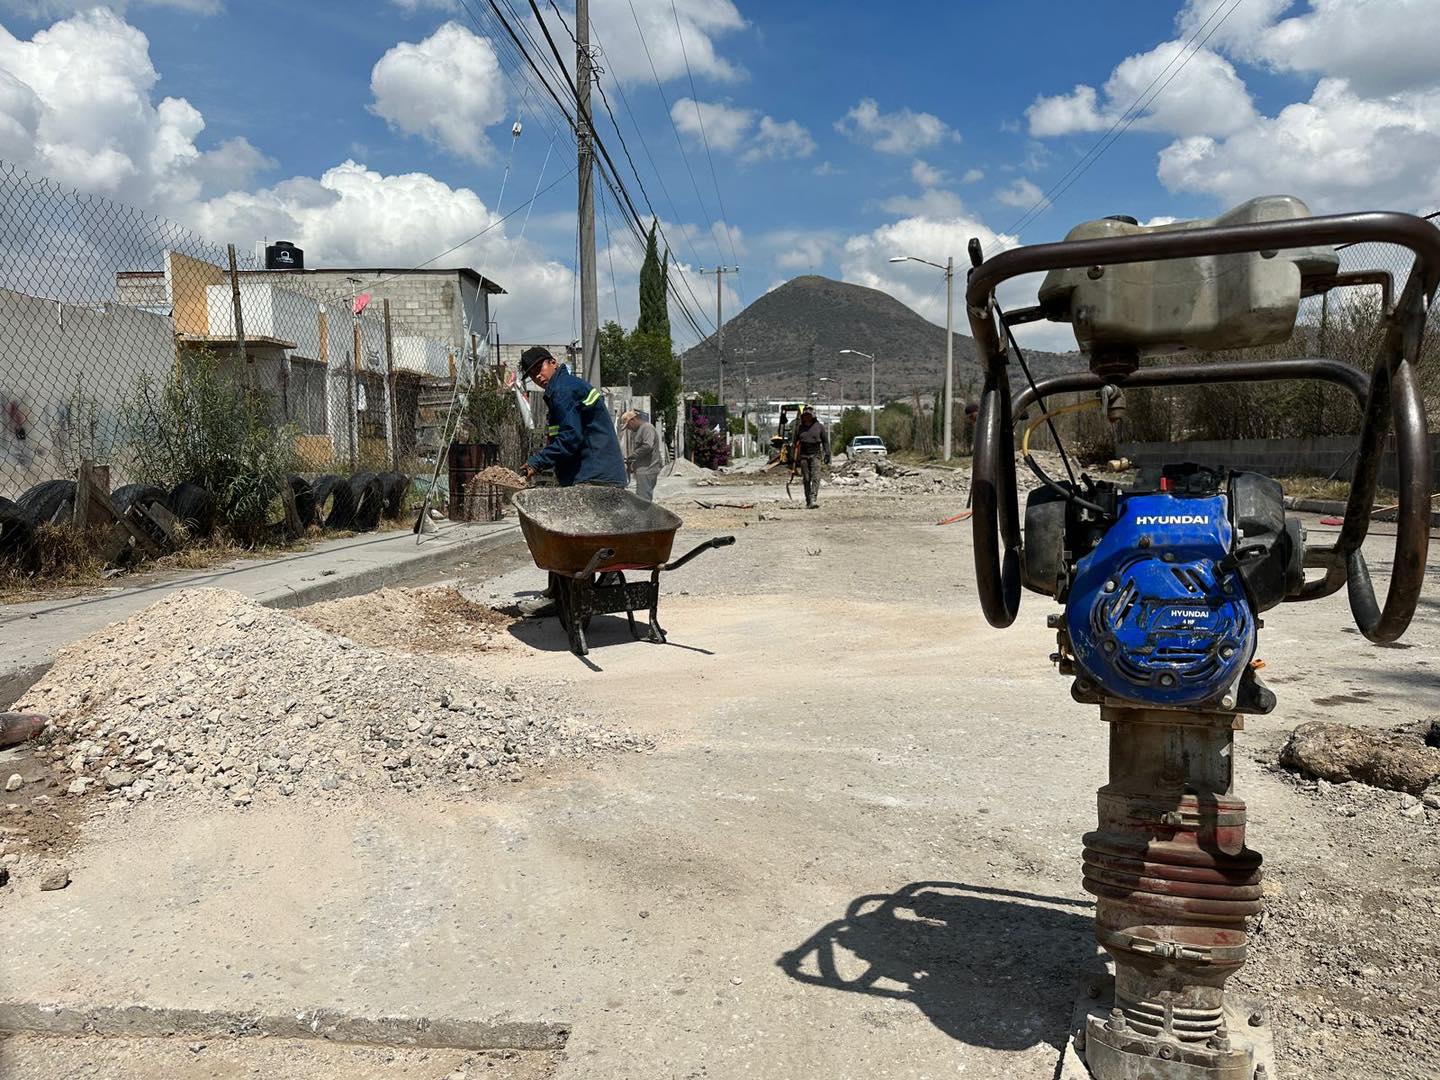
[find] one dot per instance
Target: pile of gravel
(208, 695)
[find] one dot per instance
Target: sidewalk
(31, 634)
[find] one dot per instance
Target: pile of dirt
(434, 620)
(1338, 753)
(500, 476)
(687, 470)
(208, 695)
(883, 475)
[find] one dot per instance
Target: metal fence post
(240, 351)
(389, 386)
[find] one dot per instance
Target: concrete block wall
(1275, 457)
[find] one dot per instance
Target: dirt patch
(433, 620)
(36, 821)
(43, 1057)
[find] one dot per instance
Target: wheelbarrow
(587, 537)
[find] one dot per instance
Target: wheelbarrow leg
(630, 613)
(657, 632)
(565, 590)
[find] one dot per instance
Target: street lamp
(828, 398)
(949, 269)
(857, 352)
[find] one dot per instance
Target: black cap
(532, 358)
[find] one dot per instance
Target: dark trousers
(810, 470)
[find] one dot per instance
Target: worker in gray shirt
(644, 458)
(811, 446)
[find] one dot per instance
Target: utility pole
(585, 153)
(720, 272)
(949, 356)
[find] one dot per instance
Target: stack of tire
(354, 503)
(52, 502)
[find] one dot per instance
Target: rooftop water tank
(283, 255)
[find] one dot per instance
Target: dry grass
(1315, 487)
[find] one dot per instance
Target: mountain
(775, 334)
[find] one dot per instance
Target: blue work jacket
(583, 447)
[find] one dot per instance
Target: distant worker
(644, 461)
(582, 446)
(810, 447)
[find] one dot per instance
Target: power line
(605, 161)
(710, 159)
(678, 141)
(1123, 121)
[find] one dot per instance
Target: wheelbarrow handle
(715, 542)
(603, 555)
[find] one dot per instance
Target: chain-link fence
(131, 343)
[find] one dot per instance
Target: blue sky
(840, 133)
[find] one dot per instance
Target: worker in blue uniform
(582, 446)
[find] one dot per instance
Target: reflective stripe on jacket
(583, 447)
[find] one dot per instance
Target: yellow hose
(1089, 403)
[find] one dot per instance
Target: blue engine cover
(1151, 618)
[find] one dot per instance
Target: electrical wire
(1123, 121)
(678, 141)
(605, 160)
(705, 140)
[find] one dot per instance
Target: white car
(872, 445)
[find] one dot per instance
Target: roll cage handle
(1389, 396)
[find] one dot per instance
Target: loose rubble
(208, 695)
(881, 474)
(1397, 761)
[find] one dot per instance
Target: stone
(1407, 801)
(1414, 812)
(1431, 800)
(78, 786)
(15, 783)
(117, 778)
(1340, 753)
(55, 880)
(329, 712)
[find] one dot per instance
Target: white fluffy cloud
(936, 232)
(723, 126)
(1367, 136)
(926, 175)
(727, 128)
(1378, 46)
(75, 105)
(1022, 194)
(356, 216)
(701, 23)
(777, 140)
(899, 132)
(1205, 97)
(801, 249)
(446, 89)
(1337, 151)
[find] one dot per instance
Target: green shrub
(200, 425)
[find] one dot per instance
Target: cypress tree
(654, 312)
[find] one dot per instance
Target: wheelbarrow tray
(565, 527)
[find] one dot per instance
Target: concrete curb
(436, 1033)
(1337, 509)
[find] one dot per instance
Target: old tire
(49, 503)
(394, 484)
(368, 493)
(334, 505)
(18, 549)
(305, 507)
(142, 495)
(195, 507)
